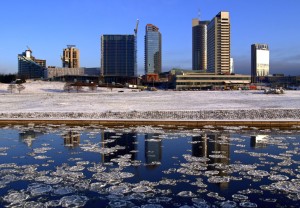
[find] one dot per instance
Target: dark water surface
(96, 166)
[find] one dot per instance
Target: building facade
(29, 67)
(199, 44)
(211, 81)
(231, 66)
(71, 57)
(260, 61)
(218, 44)
(153, 55)
(118, 58)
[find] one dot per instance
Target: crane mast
(136, 27)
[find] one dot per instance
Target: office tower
(260, 58)
(29, 67)
(199, 31)
(118, 58)
(70, 57)
(152, 50)
(218, 44)
(231, 66)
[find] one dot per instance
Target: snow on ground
(41, 97)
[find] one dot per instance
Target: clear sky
(47, 26)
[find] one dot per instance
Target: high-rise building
(29, 67)
(199, 31)
(231, 66)
(260, 61)
(118, 56)
(218, 44)
(70, 57)
(152, 50)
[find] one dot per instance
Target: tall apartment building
(29, 67)
(70, 57)
(199, 31)
(118, 56)
(218, 44)
(260, 61)
(153, 50)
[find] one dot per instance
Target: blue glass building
(152, 50)
(118, 58)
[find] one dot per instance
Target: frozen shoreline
(227, 115)
(47, 100)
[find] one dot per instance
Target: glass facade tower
(199, 30)
(260, 61)
(152, 50)
(118, 55)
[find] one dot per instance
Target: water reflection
(29, 136)
(71, 139)
(153, 150)
(149, 166)
(216, 148)
(259, 141)
(125, 143)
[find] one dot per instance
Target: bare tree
(78, 87)
(20, 87)
(68, 87)
(11, 88)
(93, 87)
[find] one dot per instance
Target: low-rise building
(212, 81)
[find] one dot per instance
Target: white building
(260, 61)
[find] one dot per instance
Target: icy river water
(97, 166)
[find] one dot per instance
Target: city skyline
(47, 32)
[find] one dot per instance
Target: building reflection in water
(29, 136)
(71, 139)
(127, 142)
(153, 150)
(259, 141)
(212, 144)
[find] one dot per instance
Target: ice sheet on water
(37, 189)
(73, 201)
(34, 204)
(278, 177)
(97, 186)
(49, 180)
(142, 189)
(119, 189)
(120, 203)
(63, 190)
(259, 173)
(247, 204)
(15, 197)
(152, 206)
(97, 168)
(219, 179)
(287, 186)
(239, 197)
(186, 194)
(53, 203)
(228, 204)
(137, 196)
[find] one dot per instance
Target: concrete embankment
(265, 118)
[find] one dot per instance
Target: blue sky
(47, 26)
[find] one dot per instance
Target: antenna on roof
(199, 14)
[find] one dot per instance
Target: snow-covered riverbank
(47, 100)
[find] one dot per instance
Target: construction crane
(136, 27)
